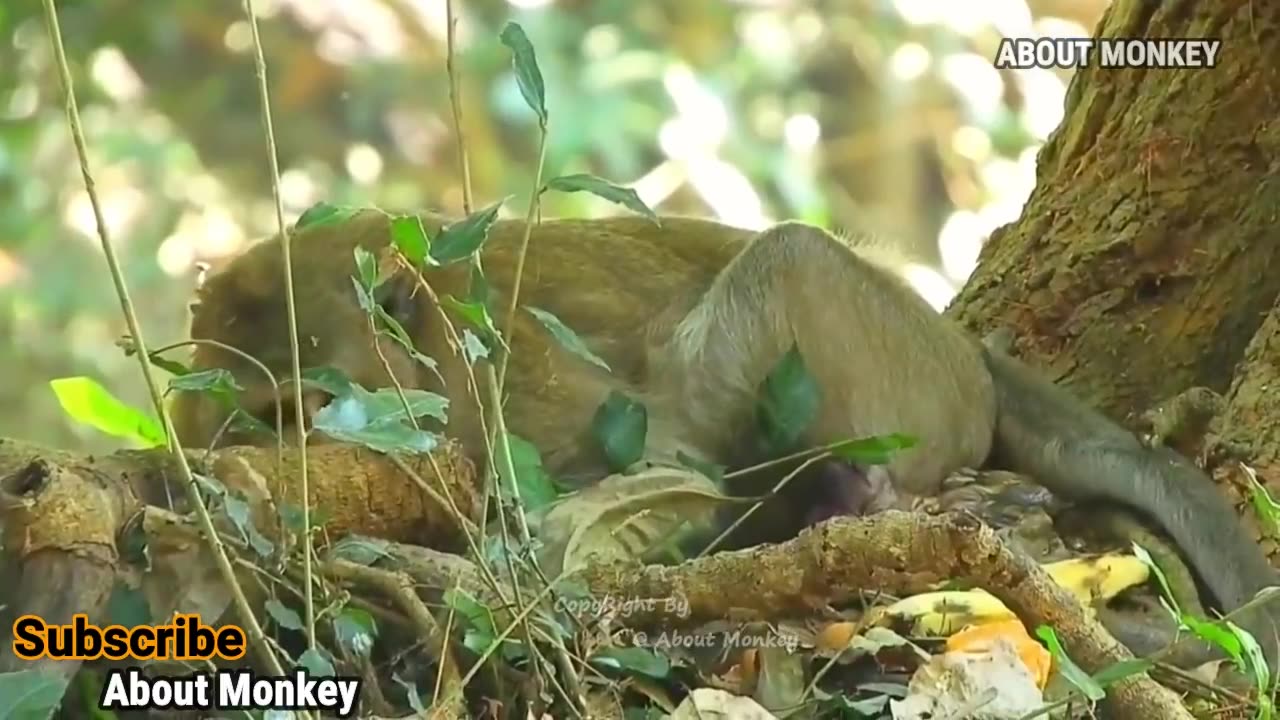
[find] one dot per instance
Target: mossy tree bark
(1149, 253)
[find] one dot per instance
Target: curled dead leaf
(627, 516)
(707, 703)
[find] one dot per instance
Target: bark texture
(71, 525)
(1149, 253)
(1249, 429)
(1252, 417)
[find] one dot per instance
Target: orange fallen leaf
(978, 638)
(835, 637)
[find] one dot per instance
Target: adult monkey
(691, 316)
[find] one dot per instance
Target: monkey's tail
(1075, 451)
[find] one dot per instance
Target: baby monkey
(691, 316)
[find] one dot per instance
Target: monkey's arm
(1045, 432)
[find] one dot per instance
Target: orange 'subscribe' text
(186, 638)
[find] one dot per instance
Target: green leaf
(1116, 672)
(216, 381)
(243, 422)
(1255, 662)
(462, 239)
(222, 385)
(633, 659)
(284, 616)
(364, 296)
(875, 450)
(528, 76)
(481, 631)
(85, 401)
(1267, 509)
(323, 213)
(377, 420)
(473, 348)
(476, 613)
(1162, 580)
(329, 379)
(366, 268)
(1068, 668)
(788, 403)
(239, 513)
(602, 188)
(260, 543)
(211, 486)
(410, 237)
(241, 517)
(172, 367)
(355, 630)
(475, 315)
(532, 481)
(343, 414)
(567, 338)
(31, 694)
(386, 438)
(620, 426)
(386, 404)
(318, 662)
(1217, 634)
(396, 332)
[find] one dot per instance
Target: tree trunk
(1147, 257)
(1251, 424)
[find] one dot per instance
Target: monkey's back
(624, 285)
(619, 283)
(889, 360)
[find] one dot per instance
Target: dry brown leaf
(709, 704)
(626, 516)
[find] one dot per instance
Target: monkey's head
(243, 305)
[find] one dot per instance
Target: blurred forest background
(844, 113)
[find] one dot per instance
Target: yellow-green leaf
(85, 401)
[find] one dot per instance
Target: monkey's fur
(691, 316)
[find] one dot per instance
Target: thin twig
(399, 587)
(221, 558)
(299, 410)
(573, 695)
(529, 221)
(455, 102)
(271, 378)
(743, 517)
(520, 619)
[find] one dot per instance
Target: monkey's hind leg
(883, 359)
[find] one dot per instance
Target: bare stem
(494, 380)
(455, 103)
(299, 410)
(743, 518)
(529, 221)
(256, 635)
